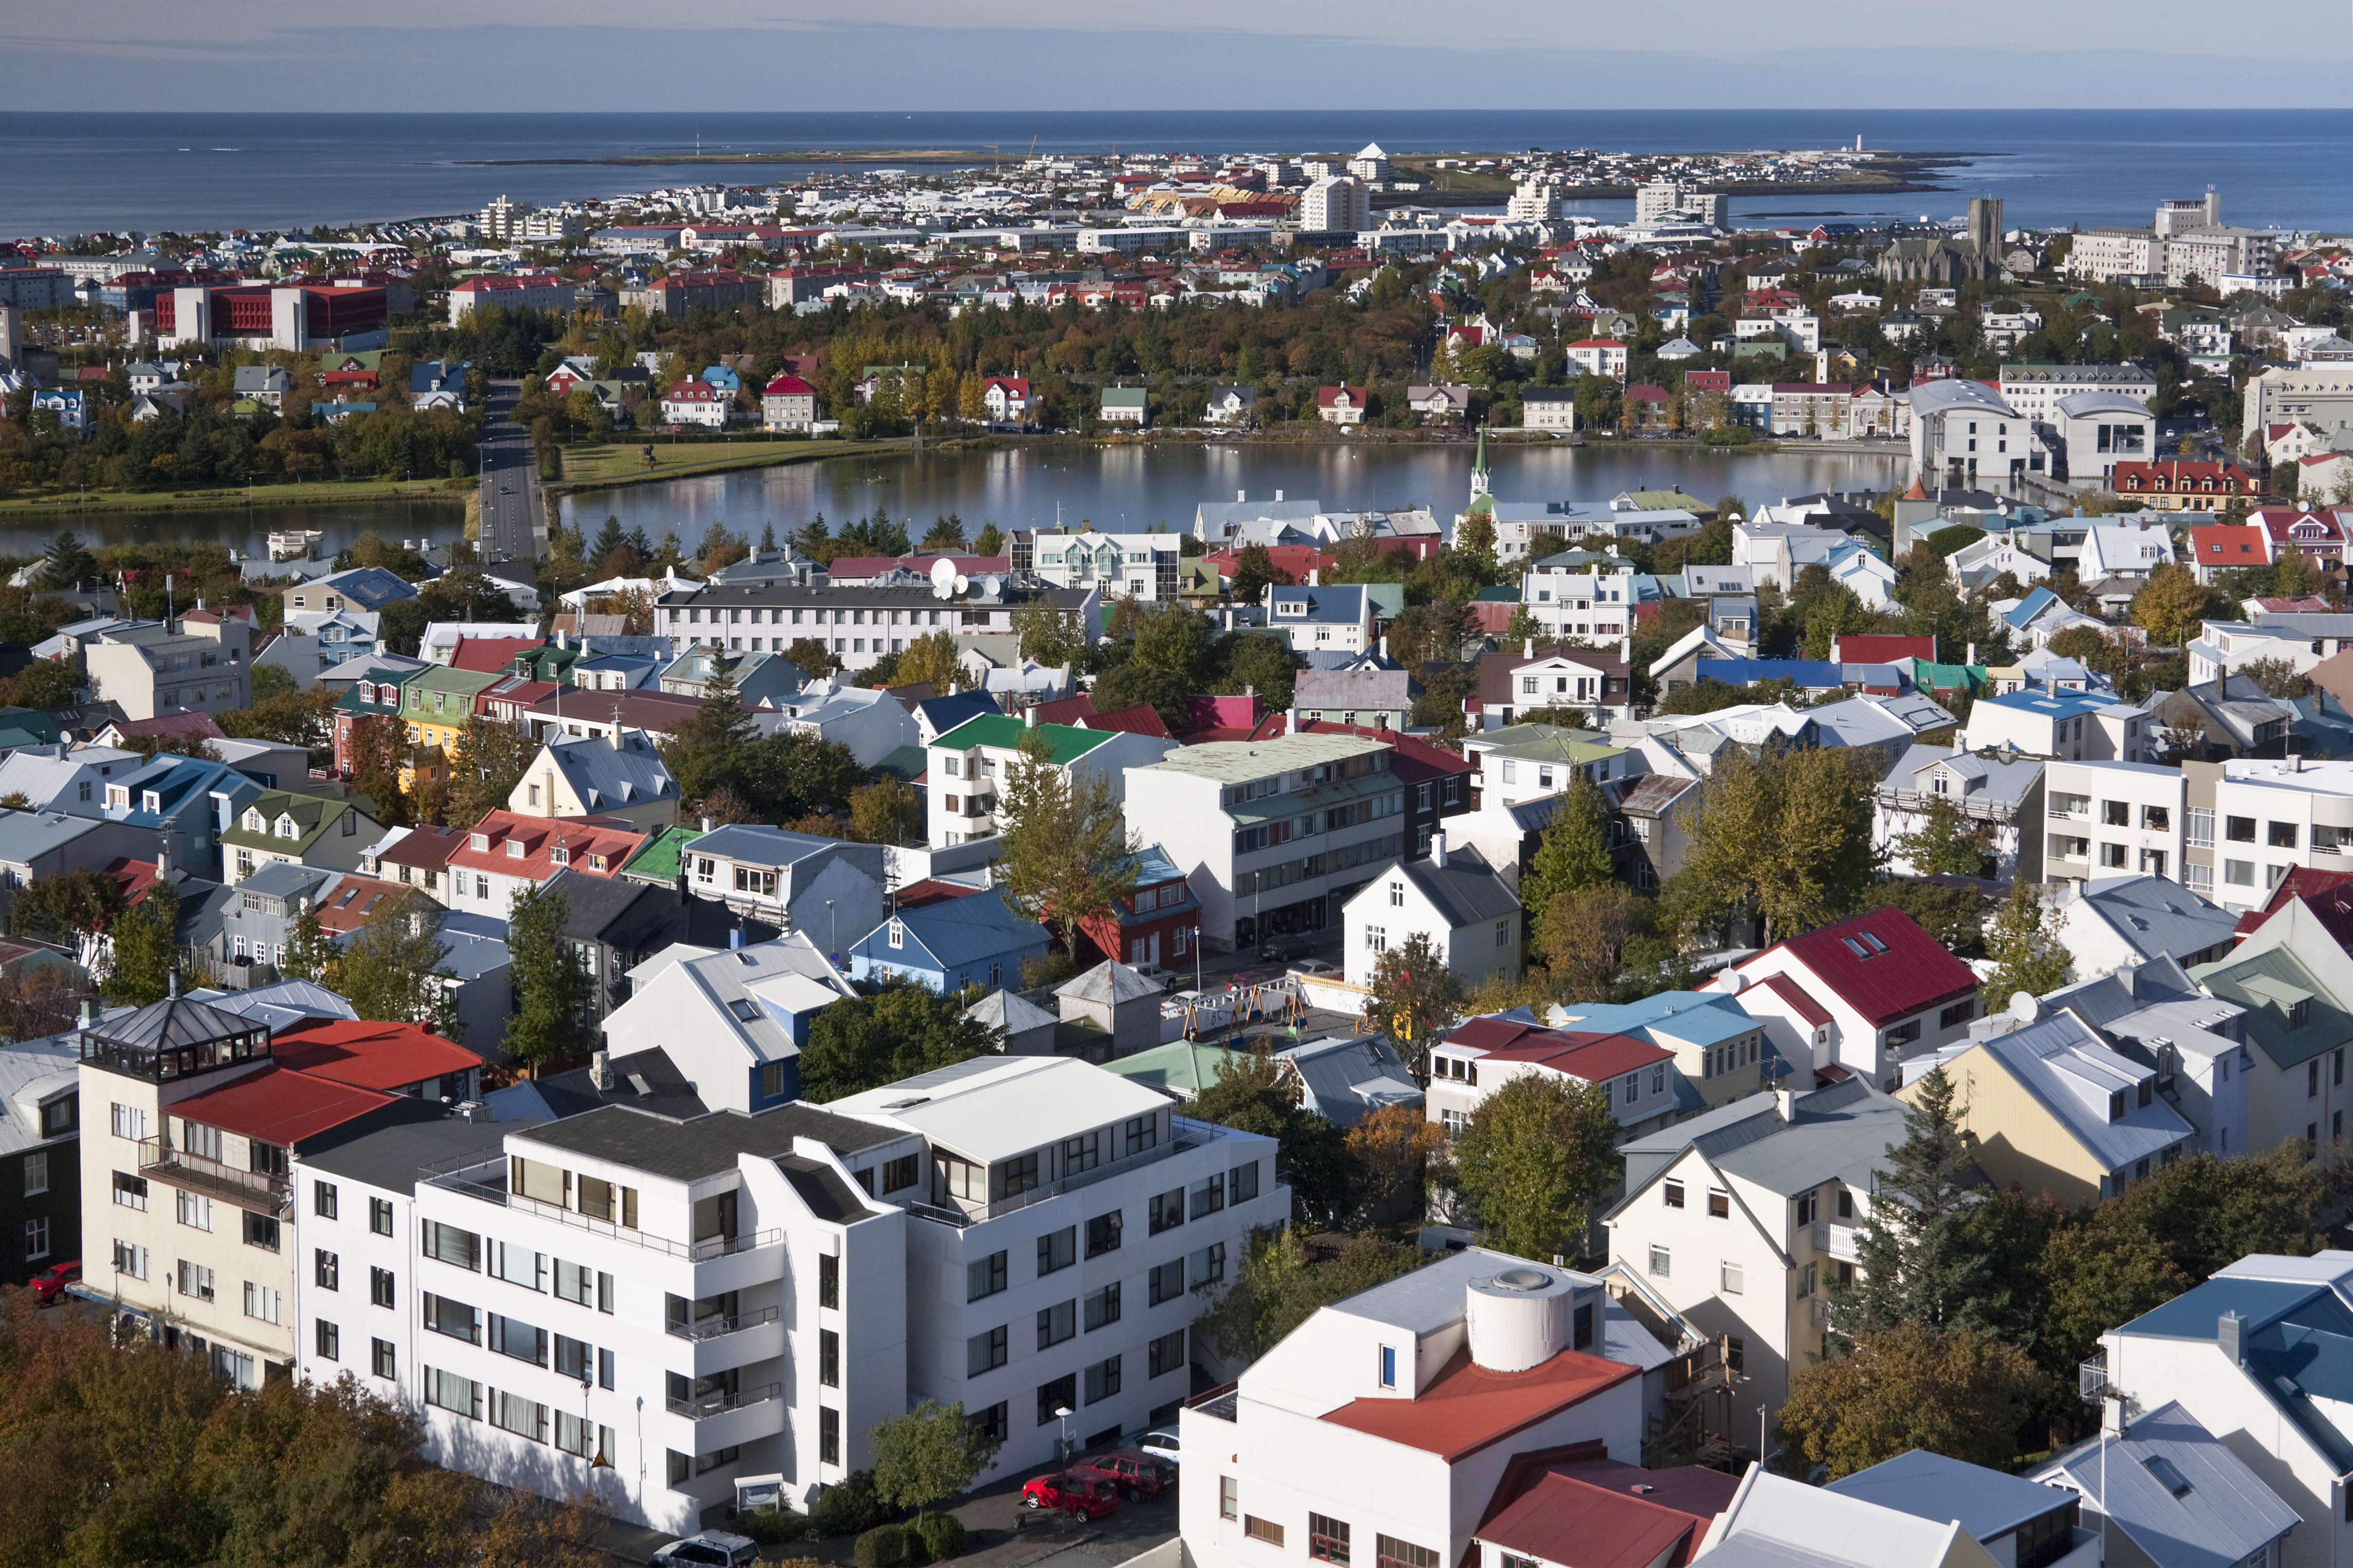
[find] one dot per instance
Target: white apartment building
(2272, 815)
(2105, 819)
(1272, 834)
(971, 765)
(2035, 391)
(196, 664)
(1565, 597)
(1378, 1430)
(1121, 565)
(1660, 199)
(1337, 204)
(1743, 1217)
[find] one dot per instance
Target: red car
(1136, 1474)
(1083, 1493)
(50, 1282)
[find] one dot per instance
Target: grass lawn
(309, 493)
(623, 462)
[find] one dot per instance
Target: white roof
(1775, 1522)
(992, 1107)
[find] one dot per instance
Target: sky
(839, 55)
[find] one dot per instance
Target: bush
(884, 1546)
(847, 1507)
(772, 1526)
(943, 1536)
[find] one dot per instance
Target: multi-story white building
(2274, 814)
(1275, 834)
(2035, 391)
(740, 1295)
(1337, 204)
(517, 292)
(857, 626)
(970, 766)
(1661, 199)
(2105, 819)
(1566, 592)
(196, 664)
(1120, 565)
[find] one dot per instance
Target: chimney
(2226, 1334)
(1278, 495)
(706, 824)
(600, 1069)
(1240, 496)
(1528, 647)
(1314, 574)
(429, 1026)
(1290, 724)
(1438, 847)
(1970, 657)
(1030, 717)
(1385, 644)
(89, 1015)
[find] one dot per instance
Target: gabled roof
(1882, 964)
(2211, 1511)
(379, 1056)
(1598, 1513)
(1465, 889)
(2270, 985)
(2156, 917)
(609, 772)
(954, 934)
(2297, 1339)
(1068, 743)
(278, 1105)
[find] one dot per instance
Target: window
(1242, 1185)
(1229, 1497)
(1735, 1353)
(1672, 1192)
(1103, 1233)
(829, 1280)
(1327, 1540)
(1062, 1393)
(521, 1341)
(1057, 1249)
(37, 1238)
(1084, 1152)
(1103, 1307)
(1719, 1204)
(1805, 1208)
(447, 1391)
(261, 1301)
(1735, 1279)
(323, 1199)
(260, 1230)
(195, 1210)
(2281, 835)
(448, 1244)
(2239, 829)
(1260, 1529)
(1388, 1366)
(1167, 1282)
(380, 1287)
(1165, 1354)
(454, 1319)
(380, 1215)
(1103, 1380)
(1057, 1323)
(1206, 1266)
(326, 1270)
(1662, 1262)
(2198, 828)
(986, 1351)
(1208, 1195)
(381, 1359)
(1166, 1211)
(1143, 1131)
(828, 1359)
(524, 1418)
(130, 1121)
(131, 1259)
(1391, 1552)
(327, 1339)
(898, 1173)
(1020, 1175)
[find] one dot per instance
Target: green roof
(1930, 676)
(2267, 985)
(313, 814)
(1548, 740)
(1123, 396)
(1182, 1066)
(1068, 741)
(1666, 500)
(657, 860)
(907, 763)
(461, 683)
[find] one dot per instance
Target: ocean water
(71, 173)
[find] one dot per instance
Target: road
(514, 521)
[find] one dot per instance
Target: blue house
(975, 941)
(189, 800)
(725, 380)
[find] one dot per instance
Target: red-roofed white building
(787, 404)
(1340, 404)
(1888, 988)
(1484, 1054)
(1598, 356)
(506, 852)
(695, 402)
(2318, 533)
(519, 291)
(2225, 547)
(1006, 397)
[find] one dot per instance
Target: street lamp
(1062, 1415)
(1197, 958)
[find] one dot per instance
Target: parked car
(1315, 966)
(1279, 949)
(1160, 1443)
(50, 1282)
(1079, 1492)
(714, 1548)
(1135, 1473)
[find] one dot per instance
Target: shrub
(943, 1536)
(846, 1506)
(884, 1546)
(772, 1526)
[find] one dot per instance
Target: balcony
(1186, 1135)
(256, 1190)
(719, 1327)
(719, 1401)
(1836, 1240)
(487, 1184)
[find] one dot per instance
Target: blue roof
(369, 587)
(2026, 608)
(954, 934)
(2297, 1340)
(1339, 605)
(1988, 1504)
(1702, 1017)
(2062, 705)
(945, 713)
(759, 844)
(1808, 672)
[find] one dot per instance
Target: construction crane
(992, 156)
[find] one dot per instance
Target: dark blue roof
(369, 587)
(2296, 1340)
(955, 934)
(945, 713)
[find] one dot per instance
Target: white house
(787, 404)
(1862, 994)
(696, 402)
(2106, 819)
(830, 888)
(1466, 909)
(1603, 357)
(969, 766)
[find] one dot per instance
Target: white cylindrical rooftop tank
(1518, 1319)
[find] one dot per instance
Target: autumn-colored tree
(2170, 604)
(888, 810)
(1415, 998)
(931, 660)
(1784, 832)
(1393, 1146)
(1957, 1392)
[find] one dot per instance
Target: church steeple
(1481, 486)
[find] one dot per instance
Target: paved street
(514, 523)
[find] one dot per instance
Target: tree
(67, 904)
(1392, 1147)
(2170, 606)
(1917, 1264)
(66, 565)
(1960, 1393)
(1066, 851)
(308, 952)
(45, 683)
(37, 1000)
(2025, 946)
(1260, 663)
(1276, 1285)
(864, 1042)
(812, 658)
(1046, 636)
(1535, 1155)
(391, 968)
(945, 533)
(989, 540)
(709, 751)
(1574, 852)
(1584, 937)
(1173, 639)
(1946, 842)
(2276, 677)
(1128, 684)
(1255, 1094)
(1254, 572)
(2097, 1275)
(377, 751)
(1784, 832)
(933, 1451)
(1415, 997)
(486, 763)
(931, 659)
(147, 962)
(551, 988)
(888, 810)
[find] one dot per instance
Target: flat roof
(704, 1145)
(992, 1107)
(391, 1157)
(1235, 761)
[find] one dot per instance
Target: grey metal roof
(621, 769)
(755, 844)
(27, 835)
(705, 1145)
(2158, 918)
(1004, 1010)
(1986, 1503)
(1381, 689)
(2267, 984)
(1466, 889)
(2072, 1074)
(1348, 1076)
(1110, 982)
(1431, 1297)
(1840, 1132)
(390, 1157)
(2224, 1516)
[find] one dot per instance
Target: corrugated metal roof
(1986, 1503)
(2221, 1516)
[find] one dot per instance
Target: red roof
(788, 387)
(280, 1105)
(368, 1055)
(2317, 889)
(353, 899)
(1597, 343)
(1803, 1005)
(196, 726)
(1466, 1407)
(1018, 385)
(1880, 648)
(1882, 964)
(483, 655)
(1576, 1053)
(580, 838)
(1413, 758)
(932, 890)
(1143, 719)
(2228, 542)
(1327, 395)
(1603, 1514)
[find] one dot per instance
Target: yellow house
(618, 776)
(2055, 1108)
(434, 707)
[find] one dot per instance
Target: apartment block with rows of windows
(856, 625)
(187, 1198)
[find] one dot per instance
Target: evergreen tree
(864, 1042)
(2024, 944)
(1918, 1263)
(1574, 852)
(67, 564)
(550, 985)
(147, 958)
(708, 753)
(991, 540)
(308, 950)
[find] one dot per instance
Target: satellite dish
(991, 586)
(944, 580)
(963, 583)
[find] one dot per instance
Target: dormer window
(253, 821)
(288, 827)
(897, 933)
(560, 855)
(478, 842)
(514, 848)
